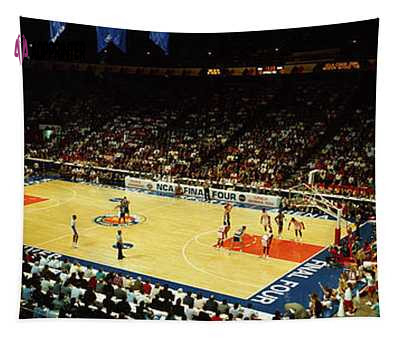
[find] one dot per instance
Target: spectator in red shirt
(333, 256)
(146, 287)
(92, 283)
(216, 317)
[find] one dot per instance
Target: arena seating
(266, 133)
(347, 161)
(54, 288)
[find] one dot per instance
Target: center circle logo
(109, 220)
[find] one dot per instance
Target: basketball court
(170, 239)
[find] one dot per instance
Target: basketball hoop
(306, 196)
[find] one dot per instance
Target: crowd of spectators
(347, 162)
(58, 288)
(345, 299)
(360, 278)
(357, 287)
(32, 171)
(257, 133)
(90, 175)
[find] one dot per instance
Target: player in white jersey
(265, 219)
(298, 228)
(220, 236)
(238, 238)
(75, 235)
(266, 241)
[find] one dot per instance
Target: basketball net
(305, 196)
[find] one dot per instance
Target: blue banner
(106, 35)
(161, 39)
(56, 28)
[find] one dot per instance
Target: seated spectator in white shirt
(75, 268)
(223, 307)
(248, 312)
(130, 296)
(155, 290)
(199, 301)
(36, 268)
(63, 276)
(235, 310)
(76, 292)
(55, 263)
(179, 294)
(43, 261)
(45, 285)
(190, 311)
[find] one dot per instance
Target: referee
(119, 245)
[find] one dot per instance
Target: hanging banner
(56, 28)
(160, 39)
(106, 35)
